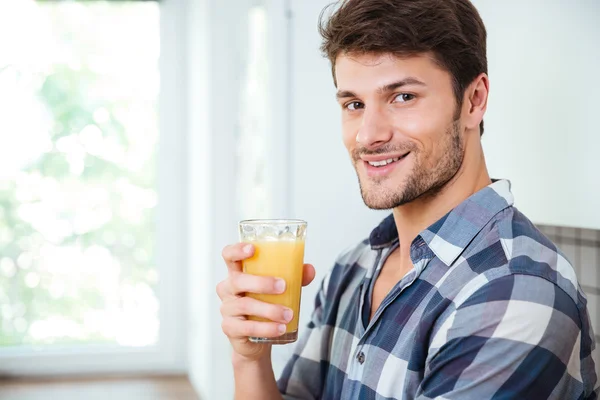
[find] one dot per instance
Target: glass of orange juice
(278, 252)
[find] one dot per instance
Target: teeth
(383, 162)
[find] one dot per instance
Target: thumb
(308, 274)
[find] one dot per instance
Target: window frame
(213, 52)
(169, 353)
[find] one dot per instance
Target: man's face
(400, 124)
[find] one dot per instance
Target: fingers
(235, 253)
(235, 325)
(308, 274)
(238, 283)
(246, 283)
(236, 328)
(224, 290)
(246, 306)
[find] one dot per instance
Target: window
(263, 158)
(254, 199)
(79, 130)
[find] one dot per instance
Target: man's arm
(254, 380)
(518, 337)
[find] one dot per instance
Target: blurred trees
(77, 196)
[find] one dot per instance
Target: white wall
(542, 121)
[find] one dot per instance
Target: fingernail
(288, 315)
(279, 285)
(281, 329)
(247, 249)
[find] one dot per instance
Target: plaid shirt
(491, 310)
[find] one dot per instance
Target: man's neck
(414, 217)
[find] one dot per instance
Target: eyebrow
(343, 94)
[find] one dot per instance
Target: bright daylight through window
(78, 141)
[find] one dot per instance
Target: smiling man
(456, 295)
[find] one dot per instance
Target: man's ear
(476, 99)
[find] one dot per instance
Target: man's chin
(377, 200)
(378, 207)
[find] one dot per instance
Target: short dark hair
(452, 30)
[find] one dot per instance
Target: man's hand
(235, 307)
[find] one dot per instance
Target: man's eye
(404, 97)
(355, 105)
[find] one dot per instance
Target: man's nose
(375, 128)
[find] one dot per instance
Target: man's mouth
(382, 167)
(383, 163)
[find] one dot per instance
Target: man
(456, 295)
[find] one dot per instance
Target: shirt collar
(449, 236)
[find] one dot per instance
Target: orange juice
(280, 259)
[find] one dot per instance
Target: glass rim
(277, 221)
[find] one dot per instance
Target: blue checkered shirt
(491, 310)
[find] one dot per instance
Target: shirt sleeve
(304, 374)
(517, 337)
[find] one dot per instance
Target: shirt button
(361, 357)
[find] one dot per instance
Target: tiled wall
(582, 247)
